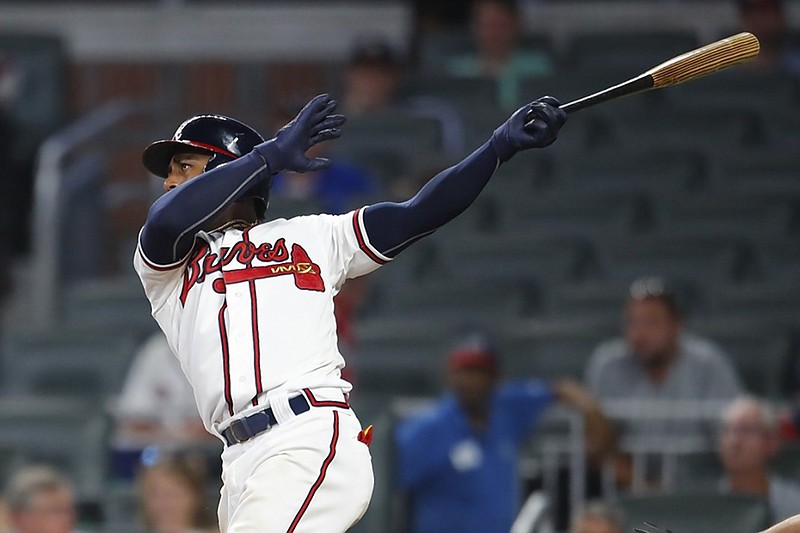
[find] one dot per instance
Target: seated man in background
(155, 408)
(40, 500)
(457, 462)
(496, 27)
(599, 517)
(749, 440)
(658, 369)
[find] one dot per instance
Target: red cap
(472, 359)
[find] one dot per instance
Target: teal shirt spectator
(523, 64)
(460, 479)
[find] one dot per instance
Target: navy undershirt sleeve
(175, 217)
(392, 227)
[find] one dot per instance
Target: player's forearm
(393, 226)
(175, 218)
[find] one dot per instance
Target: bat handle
(635, 85)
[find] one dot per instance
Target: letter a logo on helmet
(224, 138)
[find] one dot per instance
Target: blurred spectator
(599, 517)
(41, 500)
(376, 81)
(656, 361)
(174, 499)
(156, 407)
(749, 440)
(457, 462)
(373, 78)
(766, 19)
(496, 27)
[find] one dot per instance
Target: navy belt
(248, 427)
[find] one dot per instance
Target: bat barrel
(706, 60)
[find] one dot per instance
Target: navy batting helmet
(224, 138)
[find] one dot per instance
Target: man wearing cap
(656, 379)
(457, 462)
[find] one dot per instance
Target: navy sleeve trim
(363, 241)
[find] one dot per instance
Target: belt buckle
(246, 434)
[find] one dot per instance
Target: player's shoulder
(702, 350)
(427, 416)
(610, 352)
(523, 394)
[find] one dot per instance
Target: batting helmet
(223, 137)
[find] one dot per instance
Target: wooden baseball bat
(702, 61)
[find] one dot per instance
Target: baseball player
(247, 304)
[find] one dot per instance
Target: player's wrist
(501, 144)
(272, 155)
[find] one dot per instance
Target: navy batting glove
(534, 125)
(313, 124)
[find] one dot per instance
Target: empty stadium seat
(696, 259)
(698, 512)
(78, 363)
(458, 297)
(592, 298)
(67, 433)
(778, 259)
(639, 49)
(462, 92)
(520, 256)
(114, 303)
(597, 214)
(714, 130)
(748, 215)
(650, 170)
(764, 170)
(742, 88)
(761, 354)
(768, 301)
(553, 348)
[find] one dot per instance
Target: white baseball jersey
(250, 312)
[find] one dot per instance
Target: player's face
(745, 444)
(495, 28)
(183, 167)
(651, 330)
(168, 502)
(51, 511)
(473, 387)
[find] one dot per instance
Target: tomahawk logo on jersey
(203, 262)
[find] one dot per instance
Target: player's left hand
(313, 124)
(534, 125)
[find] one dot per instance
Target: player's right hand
(534, 125)
(313, 124)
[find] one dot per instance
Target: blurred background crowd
(608, 335)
